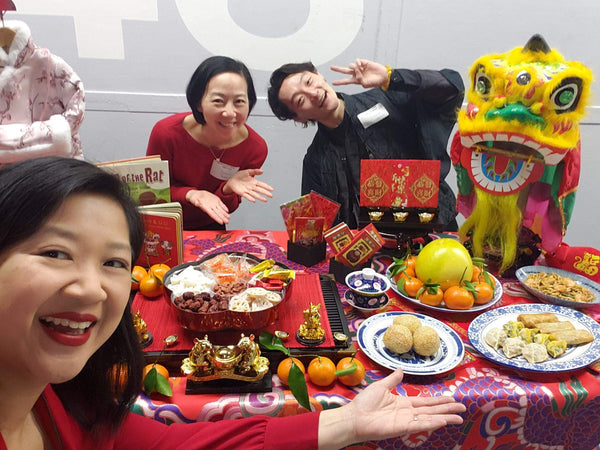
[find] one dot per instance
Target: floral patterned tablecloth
(505, 408)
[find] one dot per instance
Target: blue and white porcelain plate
(523, 272)
(574, 358)
(370, 340)
(497, 297)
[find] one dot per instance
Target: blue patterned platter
(523, 272)
(574, 358)
(370, 340)
(497, 297)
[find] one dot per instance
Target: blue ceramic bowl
(366, 304)
(367, 283)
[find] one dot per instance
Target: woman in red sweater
(214, 157)
(68, 235)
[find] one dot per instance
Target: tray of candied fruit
(228, 290)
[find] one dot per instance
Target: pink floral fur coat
(41, 101)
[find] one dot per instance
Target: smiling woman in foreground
(68, 235)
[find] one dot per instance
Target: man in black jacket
(409, 115)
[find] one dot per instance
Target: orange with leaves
(137, 274)
(458, 297)
(283, 369)
(151, 286)
(350, 371)
(159, 270)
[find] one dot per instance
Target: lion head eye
(483, 84)
(566, 96)
(523, 78)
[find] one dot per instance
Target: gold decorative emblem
(588, 264)
(424, 188)
(374, 188)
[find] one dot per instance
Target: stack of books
(149, 186)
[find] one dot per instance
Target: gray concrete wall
(136, 56)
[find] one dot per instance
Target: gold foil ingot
(425, 217)
(400, 216)
(283, 335)
(375, 216)
(238, 362)
(340, 337)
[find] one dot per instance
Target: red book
(163, 235)
(147, 178)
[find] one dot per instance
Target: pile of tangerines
(443, 271)
(322, 371)
(149, 282)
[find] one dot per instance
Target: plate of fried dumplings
(537, 337)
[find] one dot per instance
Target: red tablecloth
(505, 408)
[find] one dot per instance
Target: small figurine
(311, 332)
(238, 362)
(144, 337)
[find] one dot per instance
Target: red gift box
(364, 244)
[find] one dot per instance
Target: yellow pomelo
(444, 261)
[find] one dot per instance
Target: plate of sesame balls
(416, 343)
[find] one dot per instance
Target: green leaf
(297, 384)
(399, 265)
(162, 385)
(488, 279)
(150, 381)
(347, 371)
(155, 381)
(400, 285)
(272, 342)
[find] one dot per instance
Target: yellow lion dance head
(517, 149)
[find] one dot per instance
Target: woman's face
(225, 104)
(64, 290)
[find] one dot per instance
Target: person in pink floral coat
(41, 101)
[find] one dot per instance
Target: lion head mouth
(513, 145)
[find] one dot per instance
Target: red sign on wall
(407, 183)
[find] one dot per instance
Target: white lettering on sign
(330, 28)
(98, 23)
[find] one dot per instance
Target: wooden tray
(172, 358)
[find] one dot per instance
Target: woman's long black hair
(31, 191)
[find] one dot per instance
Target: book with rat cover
(163, 234)
(147, 178)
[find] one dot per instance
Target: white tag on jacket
(222, 171)
(373, 115)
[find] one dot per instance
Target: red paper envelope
(301, 207)
(324, 207)
(408, 183)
